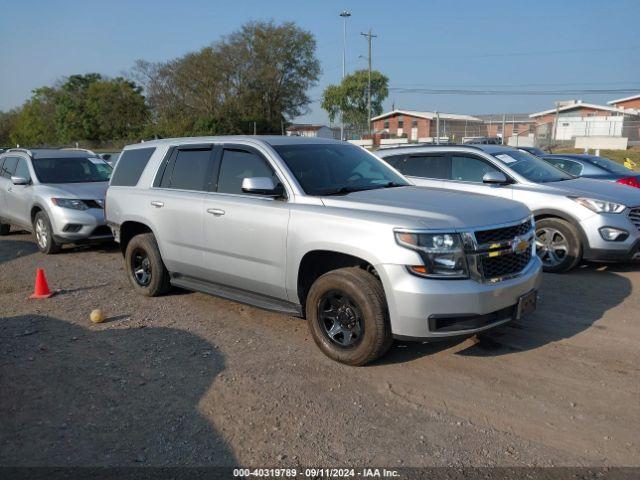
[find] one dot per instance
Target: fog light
(613, 234)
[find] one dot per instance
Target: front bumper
(598, 249)
(75, 226)
(412, 301)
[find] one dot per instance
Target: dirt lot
(192, 379)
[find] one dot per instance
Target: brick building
(627, 103)
(514, 124)
(423, 126)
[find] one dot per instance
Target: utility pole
(437, 128)
(369, 36)
(344, 14)
(555, 122)
(504, 122)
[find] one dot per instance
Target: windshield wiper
(393, 185)
(345, 190)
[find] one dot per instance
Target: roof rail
(80, 150)
(430, 145)
(23, 150)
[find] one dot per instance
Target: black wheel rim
(340, 319)
(141, 267)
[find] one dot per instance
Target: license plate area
(527, 304)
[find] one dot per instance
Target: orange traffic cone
(42, 288)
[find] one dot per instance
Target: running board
(237, 295)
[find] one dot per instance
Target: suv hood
(86, 191)
(590, 188)
(436, 208)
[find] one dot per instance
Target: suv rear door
(18, 197)
(175, 206)
(245, 234)
(425, 169)
(7, 169)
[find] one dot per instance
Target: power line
(515, 54)
(462, 91)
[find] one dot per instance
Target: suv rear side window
(240, 164)
(469, 169)
(189, 169)
(130, 166)
(425, 166)
(9, 167)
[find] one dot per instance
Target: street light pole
(344, 14)
(369, 36)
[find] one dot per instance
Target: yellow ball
(97, 316)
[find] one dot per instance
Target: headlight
(72, 203)
(442, 254)
(599, 206)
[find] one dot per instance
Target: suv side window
(569, 166)
(22, 169)
(465, 168)
(425, 166)
(9, 167)
(189, 169)
(395, 160)
(237, 165)
(130, 166)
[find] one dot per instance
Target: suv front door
(245, 234)
(467, 172)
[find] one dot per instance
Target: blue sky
(541, 45)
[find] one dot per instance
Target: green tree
(261, 74)
(114, 110)
(7, 125)
(35, 121)
(350, 98)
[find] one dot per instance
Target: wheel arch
(552, 213)
(316, 263)
(129, 229)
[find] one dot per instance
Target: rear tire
(146, 271)
(5, 228)
(558, 245)
(44, 234)
(347, 314)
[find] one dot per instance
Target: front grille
(101, 231)
(634, 216)
(456, 323)
(504, 265)
(502, 234)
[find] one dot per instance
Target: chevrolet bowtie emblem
(519, 245)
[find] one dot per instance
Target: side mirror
(262, 186)
(20, 181)
(495, 178)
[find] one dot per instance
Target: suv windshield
(71, 170)
(531, 167)
(330, 169)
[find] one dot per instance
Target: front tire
(347, 314)
(558, 245)
(44, 234)
(146, 271)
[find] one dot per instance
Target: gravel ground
(189, 379)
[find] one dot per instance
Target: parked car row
(325, 230)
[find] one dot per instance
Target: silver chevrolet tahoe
(324, 230)
(58, 194)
